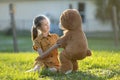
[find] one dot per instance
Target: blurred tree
(12, 11)
(109, 10)
(8, 31)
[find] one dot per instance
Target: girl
(43, 40)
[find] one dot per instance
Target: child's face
(45, 26)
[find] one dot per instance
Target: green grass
(102, 65)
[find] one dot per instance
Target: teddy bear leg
(75, 65)
(66, 64)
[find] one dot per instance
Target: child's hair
(36, 24)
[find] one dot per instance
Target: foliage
(104, 9)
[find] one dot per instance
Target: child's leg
(53, 69)
(53, 64)
(75, 65)
(66, 64)
(37, 66)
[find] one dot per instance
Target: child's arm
(60, 43)
(40, 52)
(46, 53)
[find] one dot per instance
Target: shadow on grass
(72, 76)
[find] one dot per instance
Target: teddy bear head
(70, 19)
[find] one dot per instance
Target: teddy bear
(73, 42)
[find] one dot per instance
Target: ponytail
(34, 33)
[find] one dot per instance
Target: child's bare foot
(53, 69)
(36, 68)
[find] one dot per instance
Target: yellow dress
(45, 43)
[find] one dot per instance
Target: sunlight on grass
(103, 65)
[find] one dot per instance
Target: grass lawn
(103, 65)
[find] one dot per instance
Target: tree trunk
(115, 26)
(13, 27)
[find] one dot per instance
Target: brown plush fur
(73, 41)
